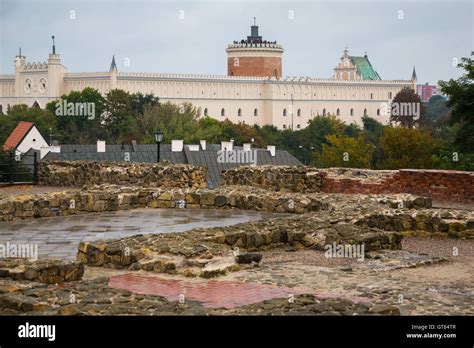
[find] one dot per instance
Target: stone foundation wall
(443, 185)
(112, 198)
(275, 178)
(78, 173)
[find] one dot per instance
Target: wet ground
(58, 237)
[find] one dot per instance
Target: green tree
(460, 94)
(79, 128)
(406, 148)
(345, 151)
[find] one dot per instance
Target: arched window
(298, 113)
(365, 112)
(324, 112)
(1, 109)
(223, 112)
(338, 112)
(371, 96)
(352, 112)
(205, 112)
(378, 112)
(255, 112)
(36, 105)
(284, 112)
(275, 73)
(239, 112)
(389, 95)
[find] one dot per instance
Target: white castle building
(253, 91)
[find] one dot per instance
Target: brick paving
(211, 293)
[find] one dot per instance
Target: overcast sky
(191, 37)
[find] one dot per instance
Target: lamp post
(158, 138)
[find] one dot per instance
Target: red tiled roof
(17, 135)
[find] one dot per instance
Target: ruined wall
(443, 185)
(78, 173)
(275, 178)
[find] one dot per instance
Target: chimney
(203, 144)
(193, 147)
(176, 145)
(227, 146)
(272, 150)
(247, 147)
(134, 146)
(100, 145)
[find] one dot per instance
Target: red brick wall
(254, 66)
(443, 185)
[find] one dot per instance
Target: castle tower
(254, 56)
(20, 63)
(55, 73)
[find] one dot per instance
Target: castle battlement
(255, 45)
(35, 66)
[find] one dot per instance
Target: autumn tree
(345, 151)
(406, 148)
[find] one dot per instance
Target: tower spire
(413, 75)
(54, 46)
(113, 66)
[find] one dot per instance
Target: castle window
(205, 112)
(239, 112)
(378, 112)
(284, 126)
(284, 112)
(352, 112)
(1, 109)
(365, 112)
(371, 96)
(298, 113)
(255, 112)
(338, 112)
(324, 112)
(275, 73)
(389, 95)
(298, 126)
(223, 112)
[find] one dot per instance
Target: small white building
(25, 137)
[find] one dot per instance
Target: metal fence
(18, 168)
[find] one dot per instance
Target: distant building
(254, 90)
(426, 91)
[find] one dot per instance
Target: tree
(436, 108)
(345, 151)
(407, 109)
(81, 128)
(460, 94)
(372, 131)
(406, 148)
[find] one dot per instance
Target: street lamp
(158, 138)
